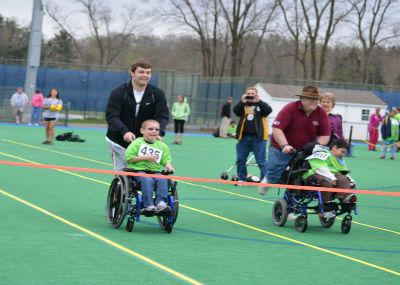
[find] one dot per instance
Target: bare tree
(295, 25)
(244, 17)
(202, 17)
(109, 43)
(374, 26)
(315, 15)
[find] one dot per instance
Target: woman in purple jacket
(327, 101)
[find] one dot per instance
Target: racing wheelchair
(307, 202)
(125, 200)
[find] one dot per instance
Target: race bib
(319, 155)
(148, 150)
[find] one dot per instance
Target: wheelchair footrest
(330, 206)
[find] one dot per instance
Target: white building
(355, 106)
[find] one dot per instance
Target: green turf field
(54, 229)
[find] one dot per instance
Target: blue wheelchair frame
(124, 200)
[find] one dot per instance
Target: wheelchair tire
(117, 201)
(162, 220)
(346, 224)
(224, 176)
(301, 223)
(326, 223)
(130, 224)
(279, 212)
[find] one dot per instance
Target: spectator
(328, 102)
(37, 104)
(18, 101)
(129, 106)
(390, 133)
(52, 105)
(232, 130)
(296, 124)
(373, 128)
(180, 112)
(252, 132)
(226, 118)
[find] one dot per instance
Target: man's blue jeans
(259, 149)
(277, 162)
(147, 184)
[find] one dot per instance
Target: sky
(21, 11)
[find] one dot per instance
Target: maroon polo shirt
(298, 128)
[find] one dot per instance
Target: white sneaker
(150, 209)
(162, 207)
(263, 189)
(36, 124)
(291, 217)
(328, 215)
(29, 124)
(240, 184)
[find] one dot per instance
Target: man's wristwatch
(283, 146)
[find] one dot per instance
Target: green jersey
(232, 130)
(140, 147)
(325, 159)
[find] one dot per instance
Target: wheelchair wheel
(224, 176)
(301, 223)
(165, 221)
(117, 201)
(130, 224)
(326, 223)
(279, 212)
(346, 224)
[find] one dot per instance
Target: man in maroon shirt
(297, 123)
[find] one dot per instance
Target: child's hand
(169, 168)
(151, 157)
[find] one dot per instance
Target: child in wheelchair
(146, 154)
(329, 170)
(315, 165)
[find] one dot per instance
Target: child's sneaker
(149, 211)
(382, 157)
(162, 207)
(328, 215)
(291, 217)
(349, 198)
(392, 157)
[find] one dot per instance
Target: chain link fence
(204, 95)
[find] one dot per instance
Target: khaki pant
(223, 128)
(342, 182)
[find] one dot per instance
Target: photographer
(252, 132)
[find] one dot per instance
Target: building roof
(341, 95)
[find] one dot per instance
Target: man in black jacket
(129, 106)
(225, 118)
(252, 132)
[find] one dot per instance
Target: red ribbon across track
(296, 187)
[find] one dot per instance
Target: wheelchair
(307, 202)
(125, 200)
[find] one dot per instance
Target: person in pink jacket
(37, 105)
(373, 128)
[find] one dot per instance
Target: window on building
(365, 115)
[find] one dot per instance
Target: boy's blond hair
(145, 123)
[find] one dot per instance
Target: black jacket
(121, 108)
(226, 110)
(262, 110)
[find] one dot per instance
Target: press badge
(149, 150)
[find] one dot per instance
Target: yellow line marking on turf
(55, 151)
(106, 240)
(211, 188)
(237, 223)
(292, 240)
(60, 170)
(228, 192)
